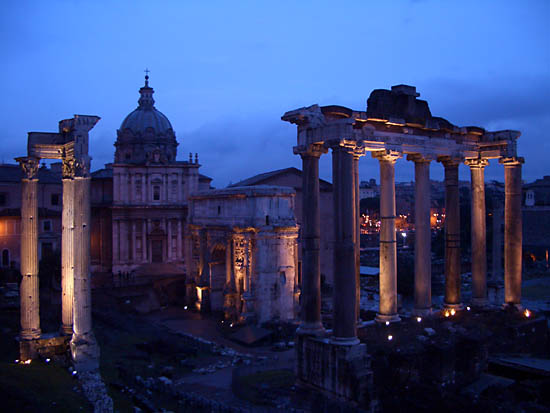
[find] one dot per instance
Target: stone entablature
(243, 252)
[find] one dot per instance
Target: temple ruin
(70, 145)
(396, 124)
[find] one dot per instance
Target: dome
(145, 135)
(142, 118)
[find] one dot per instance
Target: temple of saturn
(70, 145)
(396, 123)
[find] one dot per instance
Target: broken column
(423, 237)
(478, 229)
(388, 246)
(452, 235)
(311, 233)
(67, 248)
(344, 290)
(29, 290)
(512, 231)
(84, 348)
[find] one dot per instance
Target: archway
(217, 277)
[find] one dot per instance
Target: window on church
(3, 198)
(174, 189)
(156, 193)
(47, 225)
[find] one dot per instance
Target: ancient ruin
(70, 145)
(244, 254)
(396, 123)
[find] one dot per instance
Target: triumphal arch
(70, 145)
(395, 125)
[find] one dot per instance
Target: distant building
(368, 189)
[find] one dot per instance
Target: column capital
(386, 155)
(82, 167)
(476, 163)
(513, 161)
(449, 161)
(419, 158)
(68, 168)
(314, 150)
(29, 166)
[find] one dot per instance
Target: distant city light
(185, 308)
(47, 360)
(453, 311)
(419, 319)
(468, 308)
(387, 323)
(527, 313)
(390, 338)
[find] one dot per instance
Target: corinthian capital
(68, 168)
(315, 150)
(29, 166)
(82, 167)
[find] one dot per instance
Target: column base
(85, 352)
(311, 329)
(422, 312)
(344, 341)
(512, 306)
(480, 302)
(384, 318)
(66, 330)
(457, 307)
(31, 334)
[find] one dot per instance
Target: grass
(255, 387)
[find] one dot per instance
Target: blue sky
(225, 71)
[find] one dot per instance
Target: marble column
(67, 249)
(452, 235)
(512, 232)
(345, 282)
(84, 348)
(478, 230)
(357, 235)
(29, 289)
(311, 233)
(423, 238)
(388, 246)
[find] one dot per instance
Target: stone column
(452, 235)
(423, 237)
(134, 241)
(478, 229)
(345, 232)
(357, 230)
(388, 247)
(512, 231)
(30, 303)
(311, 233)
(84, 348)
(168, 240)
(67, 248)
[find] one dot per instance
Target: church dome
(146, 134)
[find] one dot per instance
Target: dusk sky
(225, 71)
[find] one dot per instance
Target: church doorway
(156, 250)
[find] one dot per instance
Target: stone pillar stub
(388, 247)
(512, 231)
(478, 232)
(84, 348)
(310, 237)
(423, 238)
(345, 237)
(29, 289)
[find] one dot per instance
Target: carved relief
(68, 168)
(82, 167)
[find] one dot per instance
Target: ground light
(468, 308)
(419, 319)
(387, 323)
(527, 313)
(390, 338)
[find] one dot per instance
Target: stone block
(46, 346)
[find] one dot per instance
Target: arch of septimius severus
(70, 145)
(396, 124)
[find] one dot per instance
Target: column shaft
(452, 236)
(388, 247)
(512, 233)
(422, 247)
(344, 291)
(29, 290)
(357, 230)
(82, 289)
(478, 230)
(311, 233)
(67, 257)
